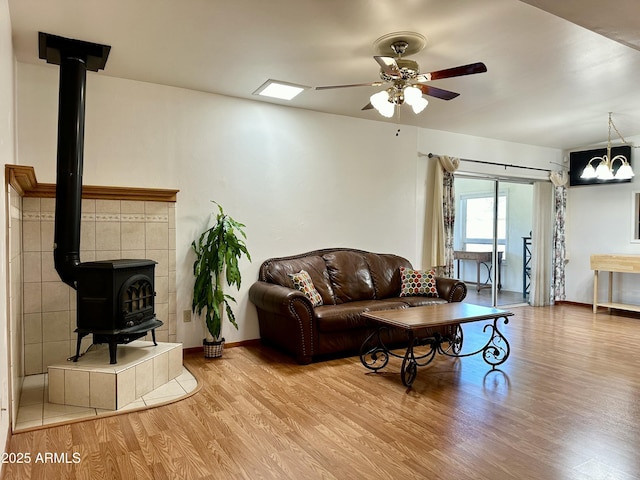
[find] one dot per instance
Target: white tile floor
(36, 411)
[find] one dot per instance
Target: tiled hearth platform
(93, 382)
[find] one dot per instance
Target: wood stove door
(136, 300)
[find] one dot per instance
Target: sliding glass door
(492, 239)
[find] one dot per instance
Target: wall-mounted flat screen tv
(579, 160)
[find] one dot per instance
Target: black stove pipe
(75, 57)
(71, 108)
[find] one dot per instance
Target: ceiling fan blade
(436, 92)
(388, 65)
(470, 69)
(368, 106)
(372, 84)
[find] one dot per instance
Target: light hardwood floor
(565, 405)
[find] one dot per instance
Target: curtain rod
(505, 165)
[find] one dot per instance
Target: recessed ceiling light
(281, 90)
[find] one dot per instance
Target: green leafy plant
(218, 251)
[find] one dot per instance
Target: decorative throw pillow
(302, 281)
(417, 282)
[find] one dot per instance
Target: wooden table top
(616, 263)
(441, 314)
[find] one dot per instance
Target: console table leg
(595, 291)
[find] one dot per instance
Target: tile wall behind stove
(110, 229)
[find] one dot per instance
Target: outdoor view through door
(492, 239)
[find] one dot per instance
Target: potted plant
(218, 250)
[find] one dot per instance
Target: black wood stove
(116, 302)
(115, 298)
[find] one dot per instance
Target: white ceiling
(550, 82)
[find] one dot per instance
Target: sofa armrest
(285, 317)
(275, 298)
(451, 289)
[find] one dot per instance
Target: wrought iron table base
(495, 352)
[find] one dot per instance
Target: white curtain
(443, 214)
(542, 237)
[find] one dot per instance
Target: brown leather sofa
(350, 283)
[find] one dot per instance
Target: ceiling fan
(407, 83)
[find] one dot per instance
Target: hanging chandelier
(385, 101)
(604, 170)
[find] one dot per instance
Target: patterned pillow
(302, 281)
(417, 282)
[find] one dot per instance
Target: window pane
(479, 217)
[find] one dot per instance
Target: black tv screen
(579, 160)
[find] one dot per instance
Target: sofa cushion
(302, 281)
(347, 316)
(417, 282)
(420, 301)
(385, 273)
(350, 276)
(278, 270)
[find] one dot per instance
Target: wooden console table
(613, 263)
(481, 258)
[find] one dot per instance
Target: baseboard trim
(243, 343)
(575, 304)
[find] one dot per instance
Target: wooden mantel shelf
(23, 179)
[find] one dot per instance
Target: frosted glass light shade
(381, 103)
(419, 105)
(413, 97)
(412, 94)
(588, 172)
(603, 172)
(624, 172)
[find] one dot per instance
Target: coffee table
(424, 327)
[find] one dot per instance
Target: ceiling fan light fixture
(419, 105)
(407, 83)
(379, 99)
(280, 90)
(382, 103)
(412, 94)
(413, 97)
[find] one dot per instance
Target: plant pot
(213, 349)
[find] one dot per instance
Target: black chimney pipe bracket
(53, 48)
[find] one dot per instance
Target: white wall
(489, 150)
(600, 220)
(7, 155)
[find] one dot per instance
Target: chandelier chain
(611, 124)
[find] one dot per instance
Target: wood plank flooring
(566, 405)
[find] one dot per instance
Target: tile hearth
(93, 382)
(35, 409)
